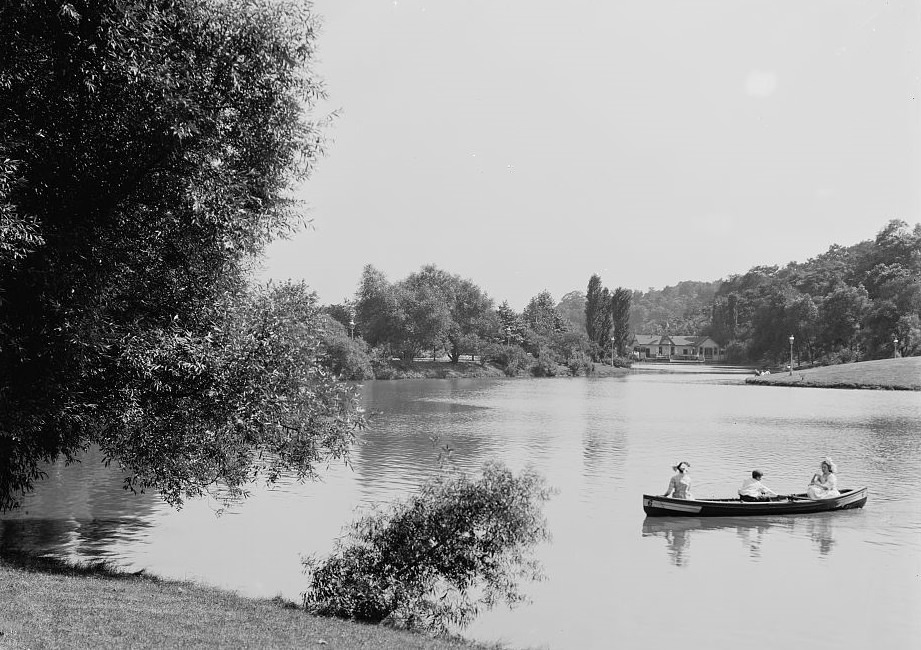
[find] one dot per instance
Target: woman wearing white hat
(824, 485)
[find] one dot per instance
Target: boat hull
(795, 504)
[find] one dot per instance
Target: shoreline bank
(472, 370)
(882, 374)
(48, 603)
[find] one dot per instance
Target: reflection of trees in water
(78, 539)
(397, 451)
(79, 511)
(678, 531)
(604, 431)
(603, 452)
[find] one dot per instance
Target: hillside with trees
(849, 303)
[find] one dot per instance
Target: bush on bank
(434, 561)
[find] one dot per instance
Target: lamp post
(858, 342)
(352, 328)
(612, 351)
(895, 348)
(791, 354)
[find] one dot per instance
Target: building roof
(656, 339)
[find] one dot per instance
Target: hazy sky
(526, 144)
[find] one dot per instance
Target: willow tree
(148, 153)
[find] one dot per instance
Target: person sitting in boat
(754, 490)
(825, 484)
(679, 487)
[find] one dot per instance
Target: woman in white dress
(825, 484)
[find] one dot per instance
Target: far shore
(443, 369)
(883, 374)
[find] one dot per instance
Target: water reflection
(752, 533)
(82, 539)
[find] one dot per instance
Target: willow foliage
(148, 153)
(434, 561)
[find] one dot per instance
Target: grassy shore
(48, 604)
(884, 374)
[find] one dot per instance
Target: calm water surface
(614, 578)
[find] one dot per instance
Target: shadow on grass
(42, 564)
(55, 566)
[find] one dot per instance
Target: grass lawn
(884, 374)
(48, 604)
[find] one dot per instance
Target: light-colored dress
(825, 488)
(680, 486)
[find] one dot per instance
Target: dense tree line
(846, 304)
(681, 309)
(435, 314)
(861, 301)
(849, 303)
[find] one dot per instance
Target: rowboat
(793, 504)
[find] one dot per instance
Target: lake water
(614, 578)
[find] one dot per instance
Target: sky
(527, 144)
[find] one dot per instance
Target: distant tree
(598, 316)
(620, 316)
(724, 318)
(898, 244)
(345, 357)
(542, 316)
(343, 312)
(448, 310)
(424, 300)
(379, 312)
(572, 308)
(607, 320)
(840, 316)
(801, 316)
(473, 318)
(511, 326)
(881, 327)
(908, 332)
(683, 309)
(770, 326)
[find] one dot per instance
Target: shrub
(842, 355)
(545, 367)
(347, 358)
(511, 358)
(418, 563)
(579, 363)
(381, 364)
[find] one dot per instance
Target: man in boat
(754, 490)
